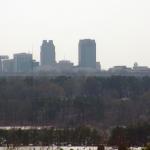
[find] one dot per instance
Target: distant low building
(35, 64)
(120, 69)
(0, 65)
(84, 70)
(65, 66)
(23, 63)
(46, 69)
(138, 68)
(8, 66)
(2, 57)
(98, 66)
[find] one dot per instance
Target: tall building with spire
(87, 53)
(47, 54)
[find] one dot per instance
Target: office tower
(8, 66)
(87, 53)
(23, 62)
(47, 55)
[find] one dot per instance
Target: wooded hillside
(73, 101)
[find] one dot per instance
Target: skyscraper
(87, 53)
(47, 55)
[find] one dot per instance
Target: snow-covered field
(50, 148)
(61, 148)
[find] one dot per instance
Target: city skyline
(24, 63)
(36, 55)
(121, 28)
(87, 44)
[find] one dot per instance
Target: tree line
(48, 136)
(133, 135)
(101, 102)
(122, 137)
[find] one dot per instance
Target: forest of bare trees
(73, 101)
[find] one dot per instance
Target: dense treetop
(102, 102)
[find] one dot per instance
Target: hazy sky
(121, 28)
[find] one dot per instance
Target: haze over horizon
(121, 28)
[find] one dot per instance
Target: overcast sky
(121, 28)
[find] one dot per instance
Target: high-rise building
(47, 54)
(23, 62)
(87, 53)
